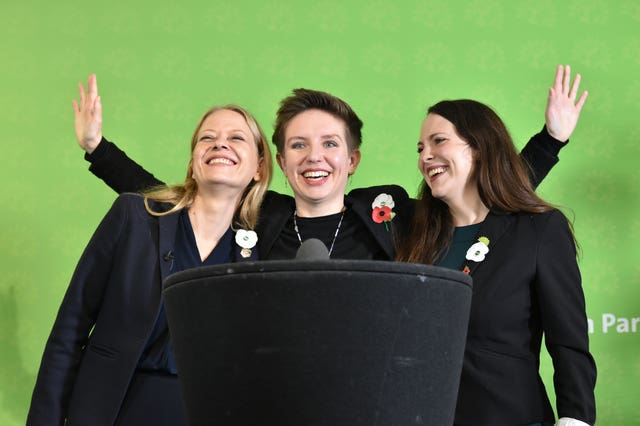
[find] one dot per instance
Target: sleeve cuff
(549, 143)
(98, 153)
(568, 421)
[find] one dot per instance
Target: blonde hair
(182, 195)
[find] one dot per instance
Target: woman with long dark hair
(478, 213)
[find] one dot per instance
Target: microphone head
(312, 249)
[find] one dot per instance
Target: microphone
(312, 249)
(168, 256)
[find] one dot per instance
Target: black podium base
(319, 342)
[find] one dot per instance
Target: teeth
(220, 161)
(315, 174)
(436, 171)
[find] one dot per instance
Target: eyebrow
(328, 136)
(214, 130)
(433, 135)
(332, 136)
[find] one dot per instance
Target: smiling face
(446, 161)
(225, 152)
(317, 162)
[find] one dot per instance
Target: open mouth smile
(434, 171)
(220, 160)
(315, 175)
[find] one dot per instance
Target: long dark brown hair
(503, 182)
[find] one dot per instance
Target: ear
(190, 169)
(258, 174)
(281, 163)
(354, 160)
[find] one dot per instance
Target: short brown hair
(303, 100)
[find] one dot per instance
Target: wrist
(98, 152)
(91, 145)
(559, 136)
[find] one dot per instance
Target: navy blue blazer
(106, 317)
(528, 284)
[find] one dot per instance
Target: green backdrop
(159, 67)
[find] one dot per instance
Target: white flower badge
(478, 251)
(383, 209)
(247, 240)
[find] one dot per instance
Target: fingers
(561, 85)
(93, 86)
(574, 87)
(582, 100)
(89, 97)
(566, 79)
(82, 94)
(557, 82)
(97, 108)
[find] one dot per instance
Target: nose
(221, 143)
(314, 153)
(426, 154)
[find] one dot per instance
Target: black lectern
(330, 342)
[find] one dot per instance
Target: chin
(439, 196)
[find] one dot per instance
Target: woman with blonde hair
(108, 359)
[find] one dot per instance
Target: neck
(305, 209)
(468, 211)
(210, 217)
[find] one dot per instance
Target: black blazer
(277, 209)
(106, 317)
(528, 284)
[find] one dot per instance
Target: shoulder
(544, 230)
(534, 226)
(370, 193)
(273, 196)
(551, 219)
(134, 205)
(129, 199)
(275, 200)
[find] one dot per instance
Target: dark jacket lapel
(239, 256)
(167, 226)
(493, 228)
(275, 212)
(382, 232)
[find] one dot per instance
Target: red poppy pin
(383, 209)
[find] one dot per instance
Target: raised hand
(88, 121)
(562, 111)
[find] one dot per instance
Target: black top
(354, 241)
(463, 238)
